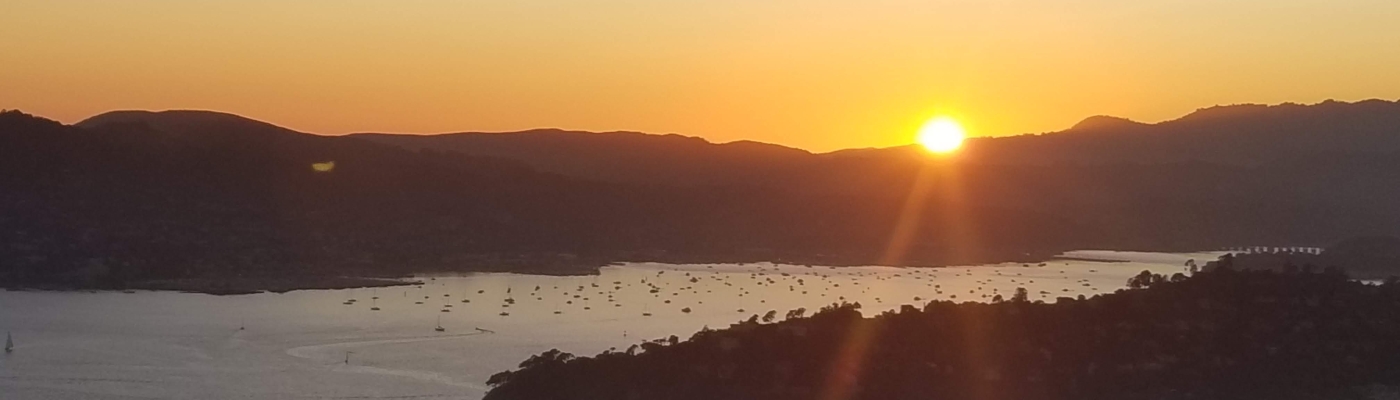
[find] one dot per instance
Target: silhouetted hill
(192, 200)
(1248, 135)
(1215, 335)
(625, 157)
(188, 194)
(1238, 135)
(190, 122)
(124, 200)
(1374, 257)
(1106, 123)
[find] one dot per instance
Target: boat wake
(416, 375)
(327, 351)
(310, 352)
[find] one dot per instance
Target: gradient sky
(815, 74)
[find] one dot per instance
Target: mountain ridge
(152, 196)
(1199, 113)
(1244, 134)
(1104, 122)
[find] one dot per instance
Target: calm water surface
(162, 345)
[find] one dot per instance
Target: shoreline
(222, 286)
(236, 286)
(1088, 259)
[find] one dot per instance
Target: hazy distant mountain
(1246, 135)
(161, 195)
(1106, 123)
(134, 197)
(1236, 135)
(195, 123)
(190, 194)
(625, 157)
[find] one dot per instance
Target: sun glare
(941, 135)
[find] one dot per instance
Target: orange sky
(815, 74)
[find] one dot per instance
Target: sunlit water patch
(335, 344)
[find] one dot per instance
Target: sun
(941, 135)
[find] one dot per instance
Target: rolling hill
(131, 197)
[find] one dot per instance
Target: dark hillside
(140, 196)
(1217, 335)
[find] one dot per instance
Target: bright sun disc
(941, 135)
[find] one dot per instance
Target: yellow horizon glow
(818, 75)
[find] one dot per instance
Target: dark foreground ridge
(1223, 334)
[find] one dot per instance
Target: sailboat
(439, 327)
(9, 343)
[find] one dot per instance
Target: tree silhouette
(795, 314)
(1141, 280)
(1021, 295)
(1161, 342)
(551, 357)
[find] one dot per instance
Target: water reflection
(384, 342)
